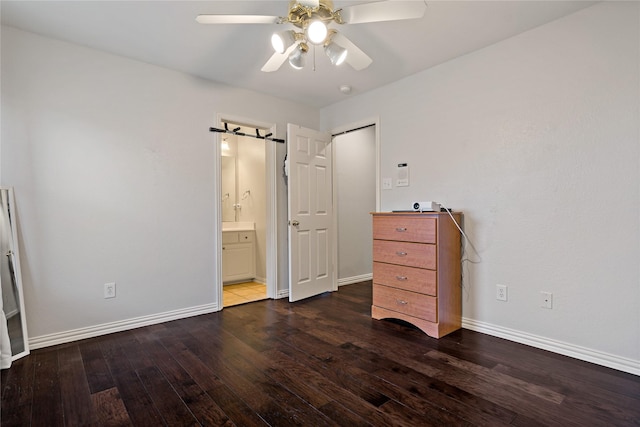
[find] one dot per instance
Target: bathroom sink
(238, 226)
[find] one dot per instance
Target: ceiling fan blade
(383, 11)
(277, 59)
(355, 57)
(237, 19)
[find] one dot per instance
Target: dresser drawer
(405, 253)
(406, 229)
(408, 278)
(407, 302)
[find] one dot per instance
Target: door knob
(295, 223)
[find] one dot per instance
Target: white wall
(536, 140)
(113, 166)
(355, 172)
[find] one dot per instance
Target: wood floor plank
(110, 409)
(138, 403)
(17, 392)
(74, 388)
(172, 409)
(47, 407)
(96, 369)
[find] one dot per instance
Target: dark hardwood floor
(318, 362)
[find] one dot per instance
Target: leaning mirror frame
(11, 283)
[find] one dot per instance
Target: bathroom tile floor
(240, 293)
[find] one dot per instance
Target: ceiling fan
(311, 19)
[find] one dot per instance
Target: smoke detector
(345, 89)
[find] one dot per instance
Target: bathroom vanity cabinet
(238, 255)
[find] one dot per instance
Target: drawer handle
(400, 253)
(401, 229)
(401, 302)
(401, 278)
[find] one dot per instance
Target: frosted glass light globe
(277, 43)
(317, 32)
(336, 53)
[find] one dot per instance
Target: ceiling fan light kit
(312, 18)
(336, 53)
(317, 32)
(297, 57)
(282, 40)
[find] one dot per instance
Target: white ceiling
(165, 33)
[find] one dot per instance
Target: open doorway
(356, 196)
(246, 235)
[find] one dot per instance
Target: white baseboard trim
(118, 326)
(582, 353)
(354, 279)
(282, 293)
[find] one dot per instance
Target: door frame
(272, 205)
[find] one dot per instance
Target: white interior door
(311, 246)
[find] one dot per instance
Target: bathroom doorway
(244, 208)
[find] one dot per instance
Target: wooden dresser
(417, 270)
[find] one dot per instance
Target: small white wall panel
(321, 149)
(321, 193)
(303, 255)
(322, 253)
(304, 198)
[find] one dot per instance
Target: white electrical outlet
(546, 300)
(110, 290)
(501, 292)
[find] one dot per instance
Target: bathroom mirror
(14, 339)
(228, 188)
